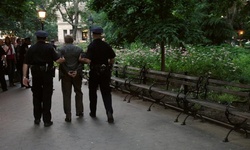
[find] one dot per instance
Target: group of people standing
(12, 52)
(40, 58)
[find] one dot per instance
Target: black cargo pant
(42, 88)
(103, 80)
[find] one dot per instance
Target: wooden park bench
(236, 107)
(155, 84)
(174, 85)
(192, 94)
(122, 75)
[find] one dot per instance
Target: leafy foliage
(20, 18)
(220, 62)
(15, 14)
(136, 55)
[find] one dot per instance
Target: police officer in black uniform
(40, 58)
(100, 56)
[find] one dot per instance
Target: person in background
(40, 57)
(13, 41)
(19, 65)
(100, 56)
(11, 60)
(23, 50)
(2, 67)
(70, 74)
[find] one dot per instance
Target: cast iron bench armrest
(157, 90)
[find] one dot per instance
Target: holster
(100, 69)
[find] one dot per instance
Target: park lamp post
(90, 22)
(240, 32)
(42, 15)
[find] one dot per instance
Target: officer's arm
(111, 61)
(87, 61)
(25, 80)
(84, 60)
(60, 60)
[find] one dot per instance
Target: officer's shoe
(92, 115)
(37, 121)
(110, 118)
(47, 124)
(68, 119)
(80, 114)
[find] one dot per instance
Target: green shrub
(220, 62)
(222, 98)
(83, 45)
(211, 60)
(137, 56)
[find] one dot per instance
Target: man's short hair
(68, 39)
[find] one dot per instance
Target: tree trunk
(76, 20)
(74, 32)
(163, 65)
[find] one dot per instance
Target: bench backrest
(154, 76)
(134, 72)
(227, 92)
(128, 72)
(187, 83)
(119, 70)
(174, 81)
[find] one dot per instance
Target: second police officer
(100, 56)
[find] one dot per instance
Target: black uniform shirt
(41, 54)
(99, 52)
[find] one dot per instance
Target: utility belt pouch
(103, 68)
(99, 69)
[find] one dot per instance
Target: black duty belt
(98, 67)
(44, 68)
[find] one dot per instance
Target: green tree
(154, 22)
(171, 23)
(20, 17)
(224, 18)
(13, 14)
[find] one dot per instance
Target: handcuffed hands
(72, 73)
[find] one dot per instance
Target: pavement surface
(135, 128)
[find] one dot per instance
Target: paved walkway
(135, 128)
